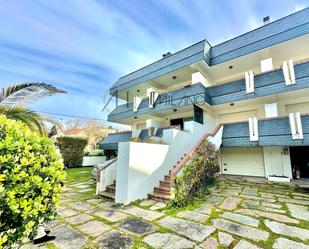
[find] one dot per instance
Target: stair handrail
(108, 163)
(186, 158)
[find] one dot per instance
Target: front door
(300, 161)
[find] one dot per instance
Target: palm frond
(32, 119)
(26, 93)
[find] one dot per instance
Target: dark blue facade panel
(261, 44)
(265, 84)
(272, 132)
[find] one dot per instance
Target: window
(266, 65)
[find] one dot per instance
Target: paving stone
(230, 192)
(194, 216)
(142, 213)
(72, 195)
(157, 206)
(67, 213)
(264, 208)
(52, 224)
(109, 205)
(267, 195)
(271, 205)
(289, 200)
(146, 203)
(241, 230)
(85, 190)
(273, 216)
(189, 229)
(282, 243)
(94, 228)
(257, 198)
(94, 201)
(215, 199)
(306, 195)
(241, 219)
(68, 238)
(210, 243)
(299, 211)
(114, 240)
(78, 219)
(111, 215)
(230, 203)
(290, 231)
(203, 209)
(137, 226)
(249, 191)
(81, 206)
(81, 186)
(243, 244)
(225, 239)
(30, 245)
(167, 241)
(252, 202)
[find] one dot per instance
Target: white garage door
(243, 161)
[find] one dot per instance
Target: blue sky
(84, 46)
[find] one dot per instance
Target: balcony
(269, 83)
(272, 132)
(166, 101)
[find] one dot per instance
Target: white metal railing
(106, 175)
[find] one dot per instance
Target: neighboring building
(256, 85)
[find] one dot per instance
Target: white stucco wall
(276, 163)
(92, 160)
(141, 166)
(136, 163)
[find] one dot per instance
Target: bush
(94, 153)
(201, 168)
(31, 173)
(72, 150)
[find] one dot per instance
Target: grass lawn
(82, 174)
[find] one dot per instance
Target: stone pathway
(238, 215)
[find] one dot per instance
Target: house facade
(248, 95)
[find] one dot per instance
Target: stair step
(164, 184)
(159, 197)
(111, 188)
(167, 178)
(161, 190)
(108, 195)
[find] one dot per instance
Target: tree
(13, 101)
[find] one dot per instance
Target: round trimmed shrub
(31, 175)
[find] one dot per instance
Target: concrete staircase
(109, 192)
(163, 191)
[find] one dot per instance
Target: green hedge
(72, 150)
(31, 172)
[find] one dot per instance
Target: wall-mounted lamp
(285, 150)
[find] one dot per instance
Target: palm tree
(13, 101)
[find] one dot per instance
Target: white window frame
(296, 125)
(136, 102)
(288, 72)
(253, 129)
(152, 97)
(249, 77)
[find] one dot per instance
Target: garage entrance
(243, 161)
(300, 161)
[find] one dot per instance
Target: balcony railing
(264, 84)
